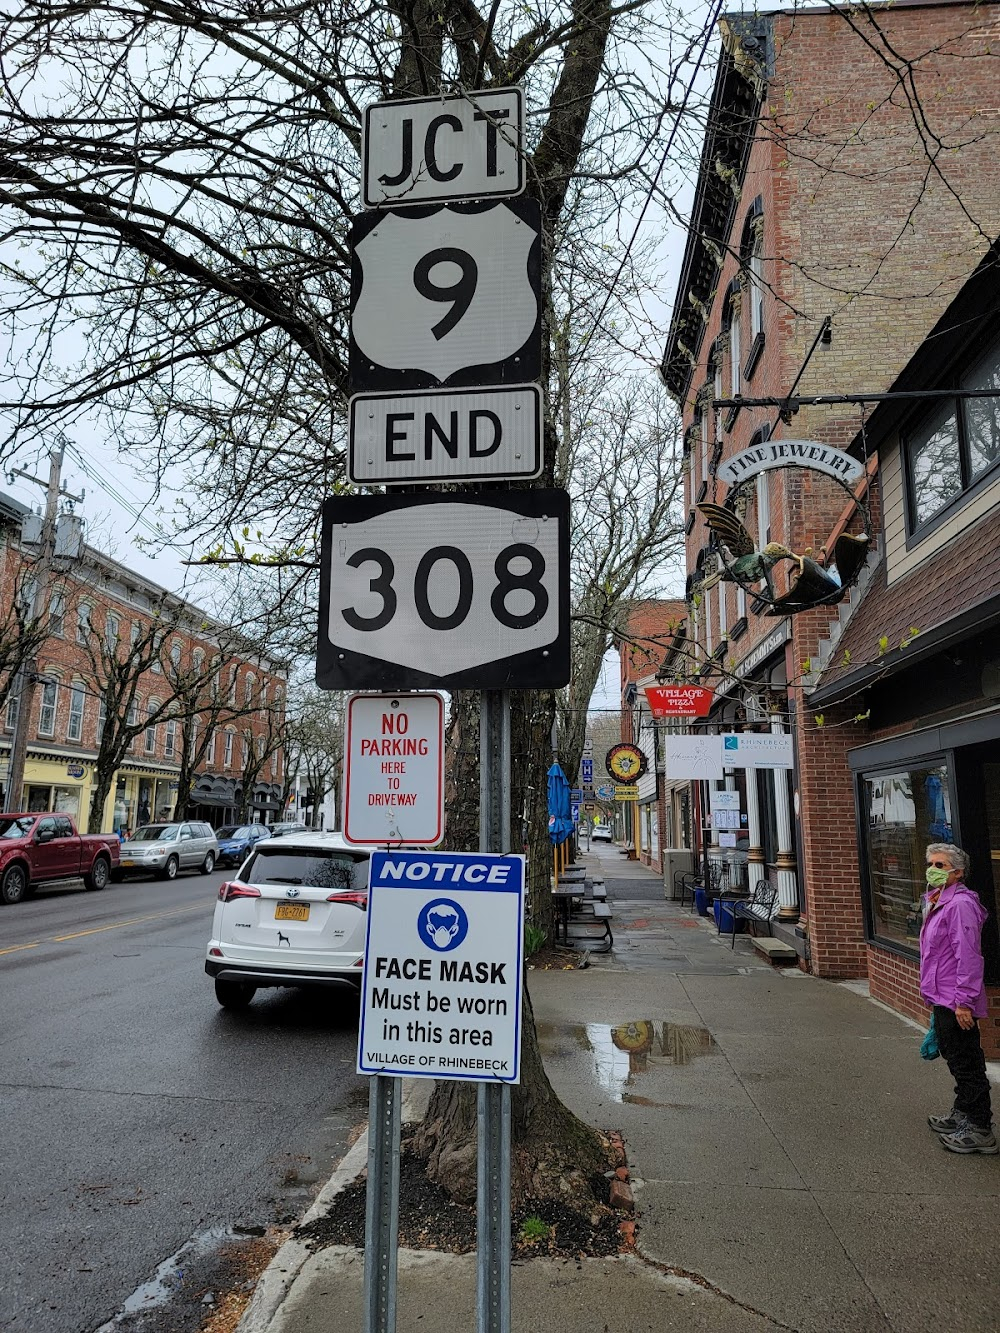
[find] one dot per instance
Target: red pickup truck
(35, 849)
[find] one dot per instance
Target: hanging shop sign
(757, 749)
(625, 762)
(678, 700)
(627, 793)
(785, 453)
(698, 758)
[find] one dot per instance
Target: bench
(757, 910)
(602, 918)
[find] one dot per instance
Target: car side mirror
(45, 835)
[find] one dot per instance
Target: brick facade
(63, 736)
(828, 209)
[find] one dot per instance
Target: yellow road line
(15, 947)
(133, 921)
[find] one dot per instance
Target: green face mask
(936, 877)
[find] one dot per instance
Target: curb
(277, 1279)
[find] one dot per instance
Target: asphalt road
(137, 1116)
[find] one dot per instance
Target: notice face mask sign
(441, 991)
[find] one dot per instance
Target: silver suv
(165, 849)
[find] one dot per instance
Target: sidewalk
(776, 1132)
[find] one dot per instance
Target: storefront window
(66, 800)
(904, 811)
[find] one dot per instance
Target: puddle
(619, 1054)
(163, 1286)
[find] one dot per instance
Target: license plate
(291, 912)
(125, 863)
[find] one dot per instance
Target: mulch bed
(430, 1220)
(552, 959)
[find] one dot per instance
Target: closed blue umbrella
(560, 822)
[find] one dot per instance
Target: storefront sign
(678, 700)
(75, 770)
(790, 453)
(625, 762)
(758, 654)
(755, 749)
(696, 757)
(626, 793)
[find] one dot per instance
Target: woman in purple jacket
(951, 980)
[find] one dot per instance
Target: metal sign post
(385, 1096)
(493, 1194)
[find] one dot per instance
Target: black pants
(963, 1054)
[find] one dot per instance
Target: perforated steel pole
(382, 1203)
(493, 1197)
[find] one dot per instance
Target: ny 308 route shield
(452, 591)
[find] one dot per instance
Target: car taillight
(355, 899)
(231, 890)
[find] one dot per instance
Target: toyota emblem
(291, 893)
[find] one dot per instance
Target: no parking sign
(441, 990)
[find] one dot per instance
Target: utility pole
(29, 672)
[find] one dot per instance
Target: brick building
(828, 255)
(661, 818)
(97, 596)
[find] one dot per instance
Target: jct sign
(429, 149)
(394, 769)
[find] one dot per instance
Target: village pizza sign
(678, 700)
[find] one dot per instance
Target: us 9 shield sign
(446, 295)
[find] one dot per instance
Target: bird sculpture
(748, 565)
(815, 583)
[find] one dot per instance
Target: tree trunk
(555, 1155)
(98, 798)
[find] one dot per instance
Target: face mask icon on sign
(442, 924)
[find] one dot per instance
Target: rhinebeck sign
(789, 453)
(678, 700)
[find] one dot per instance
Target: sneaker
(969, 1138)
(945, 1124)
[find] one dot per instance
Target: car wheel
(99, 873)
(14, 885)
(208, 865)
(170, 869)
(234, 994)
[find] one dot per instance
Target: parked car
(295, 916)
(601, 833)
(280, 830)
(37, 849)
(238, 840)
(164, 850)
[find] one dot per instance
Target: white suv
(293, 916)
